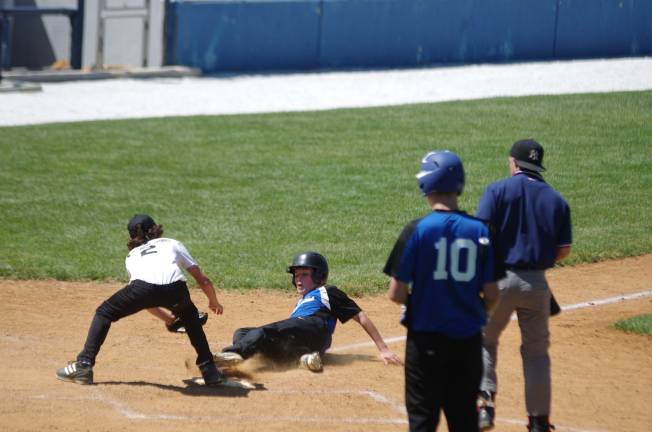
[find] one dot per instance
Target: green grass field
(641, 324)
(245, 193)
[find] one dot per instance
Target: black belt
(528, 267)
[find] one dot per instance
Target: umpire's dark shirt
(532, 219)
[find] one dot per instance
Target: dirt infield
(602, 378)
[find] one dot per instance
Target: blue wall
(269, 35)
(604, 28)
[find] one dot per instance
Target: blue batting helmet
(441, 171)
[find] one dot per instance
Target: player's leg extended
(129, 300)
(187, 311)
(464, 371)
(535, 335)
(176, 297)
(499, 319)
(423, 381)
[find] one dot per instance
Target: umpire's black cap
(145, 222)
(528, 154)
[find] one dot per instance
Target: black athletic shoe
(77, 372)
(211, 375)
(539, 424)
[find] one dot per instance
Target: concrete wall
(264, 35)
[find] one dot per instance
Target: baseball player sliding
(155, 279)
(308, 332)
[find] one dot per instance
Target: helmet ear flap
(318, 277)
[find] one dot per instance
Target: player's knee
(533, 350)
(107, 312)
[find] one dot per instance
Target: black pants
(442, 373)
(282, 341)
(135, 297)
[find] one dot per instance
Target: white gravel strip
(138, 98)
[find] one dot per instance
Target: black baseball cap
(528, 154)
(145, 222)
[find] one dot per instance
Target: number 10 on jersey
(456, 247)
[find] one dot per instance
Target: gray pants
(527, 293)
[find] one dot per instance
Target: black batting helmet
(313, 260)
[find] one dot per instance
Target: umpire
(533, 231)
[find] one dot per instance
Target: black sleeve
(394, 260)
(499, 260)
(342, 307)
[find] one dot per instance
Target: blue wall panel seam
(319, 33)
(554, 35)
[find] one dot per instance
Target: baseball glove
(177, 325)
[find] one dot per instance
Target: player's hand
(216, 307)
(389, 357)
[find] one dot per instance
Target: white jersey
(158, 262)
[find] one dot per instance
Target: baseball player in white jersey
(155, 280)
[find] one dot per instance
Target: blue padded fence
(272, 35)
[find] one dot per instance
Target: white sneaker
(77, 372)
(227, 359)
(312, 362)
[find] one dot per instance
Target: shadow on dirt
(259, 363)
(346, 359)
(191, 388)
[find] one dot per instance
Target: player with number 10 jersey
(442, 270)
(446, 256)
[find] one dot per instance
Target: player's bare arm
(387, 356)
(398, 291)
(207, 287)
(490, 295)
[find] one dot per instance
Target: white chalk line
(127, 412)
(567, 308)
(124, 410)
(131, 414)
(379, 397)
(558, 427)
(608, 300)
(571, 307)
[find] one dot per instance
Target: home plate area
(241, 401)
(230, 382)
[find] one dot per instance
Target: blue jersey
(446, 257)
(531, 219)
(327, 302)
